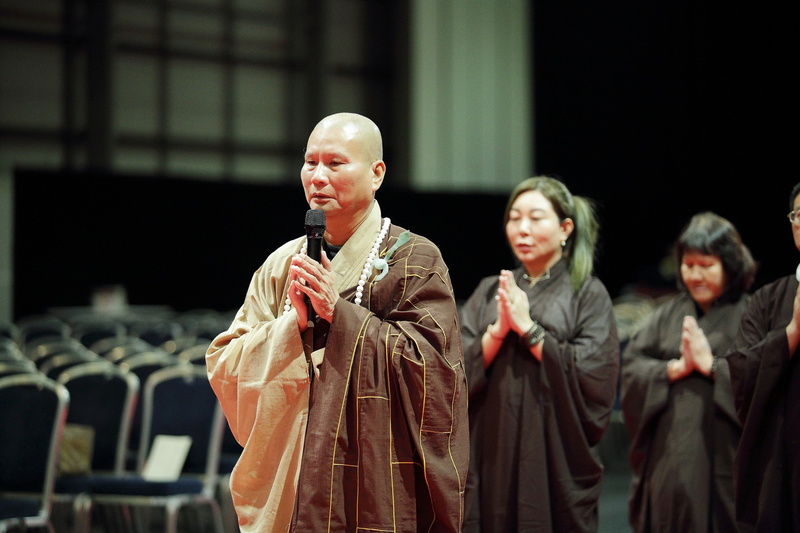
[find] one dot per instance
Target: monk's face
(338, 175)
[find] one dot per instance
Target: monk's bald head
(342, 170)
(359, 128)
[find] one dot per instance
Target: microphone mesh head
(315, 218)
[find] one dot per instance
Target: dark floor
(614, 503)
(616, 480)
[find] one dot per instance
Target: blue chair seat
(73, 484)
(100, 484)
(136, 486)
(15, 507)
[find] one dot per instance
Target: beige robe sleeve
(259, 372)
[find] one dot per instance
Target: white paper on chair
(166, 458)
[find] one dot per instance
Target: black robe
(683, 434)
(766, 385)
(534, 463)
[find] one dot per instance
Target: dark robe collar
(330, 250)
(726, 298)
(555, 271)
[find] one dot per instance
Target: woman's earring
(563, 243)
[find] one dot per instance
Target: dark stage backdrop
(191, 244)
(662, 109)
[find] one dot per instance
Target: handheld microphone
(315, 228)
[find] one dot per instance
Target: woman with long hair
(542, 358)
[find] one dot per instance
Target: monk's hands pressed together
(310, 278)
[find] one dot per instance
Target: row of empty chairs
(155, 328)
(105, 367)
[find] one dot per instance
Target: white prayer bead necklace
(365, 272)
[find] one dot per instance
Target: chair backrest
(9, 349)
(196, 353)
(143, 364)
(205, 323)
(179, 401)
(179, 344)
(40, 350)
(103, 396)
(230, 452)
(89, 332)
(58, 363)
(12, 367)
(156, 331)
(33, 411)
(34, 328)
(9, 330)
(127, 347)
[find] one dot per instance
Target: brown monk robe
(342, 375)
(377, 438)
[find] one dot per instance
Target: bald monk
(358, 423)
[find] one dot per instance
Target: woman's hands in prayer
(695, 352)
(513, 309)
(310, 278)
(513, 314)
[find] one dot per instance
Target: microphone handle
(314, 251)
(314, 248)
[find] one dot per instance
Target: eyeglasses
(794, 217)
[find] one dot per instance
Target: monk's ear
(378, 169)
